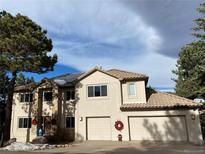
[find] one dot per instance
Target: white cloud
(157, 66)
(103, 33)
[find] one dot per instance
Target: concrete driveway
(110, 147)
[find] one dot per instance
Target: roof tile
(158, 100)
(121, 74)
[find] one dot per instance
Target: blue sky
(136, 35)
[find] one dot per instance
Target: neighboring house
(199, 100)
(86, 106)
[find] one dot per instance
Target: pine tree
(4, 82)
(30, 80)
(24, 47)
(190, 70)
(199, 30)
(22, 80)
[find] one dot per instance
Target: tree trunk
(7, 127)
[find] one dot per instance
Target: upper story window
(24, 122)
(131, 89)
(70, 94)
(26, 97)
(97, 91)
(47, 96)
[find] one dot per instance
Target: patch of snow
(19, 146)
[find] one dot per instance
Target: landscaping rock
(18, 146)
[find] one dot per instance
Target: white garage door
(165, 128)
(98, 128)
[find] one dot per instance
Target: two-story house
(101, 105)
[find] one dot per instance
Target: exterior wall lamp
(81, 118)
(193, 117)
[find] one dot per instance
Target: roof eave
(159, 108)
(92, 71)
(135, 79)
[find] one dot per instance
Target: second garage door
(98, 128)
(162, 128)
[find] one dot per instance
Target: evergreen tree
(24, 47)
(30, 80)
(190, 70)
(22, 80)
(4, 82)
(199, 29)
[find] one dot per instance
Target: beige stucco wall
(58, 108)
(21, 110)
(94, 107)
(193, 126)
(97, 107)
(67, 109)
(110, 106)
(140, 96)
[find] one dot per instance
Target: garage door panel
(158, 128)
(98, 129)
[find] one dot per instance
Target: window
(104, 90)
(26, 97)
(22, 98)
(48, 96)
(97, 91)
(24, 122)
(90, 91)
(70, 122)
(70, 95)
(131, 89)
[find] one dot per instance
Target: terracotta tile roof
(158, 100)
(123, 75)
(119, 74)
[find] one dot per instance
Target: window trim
(95, 85)
(70, 122)
(24, 100)
(24, 117)
(128, 89)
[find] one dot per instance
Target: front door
(47, 124)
